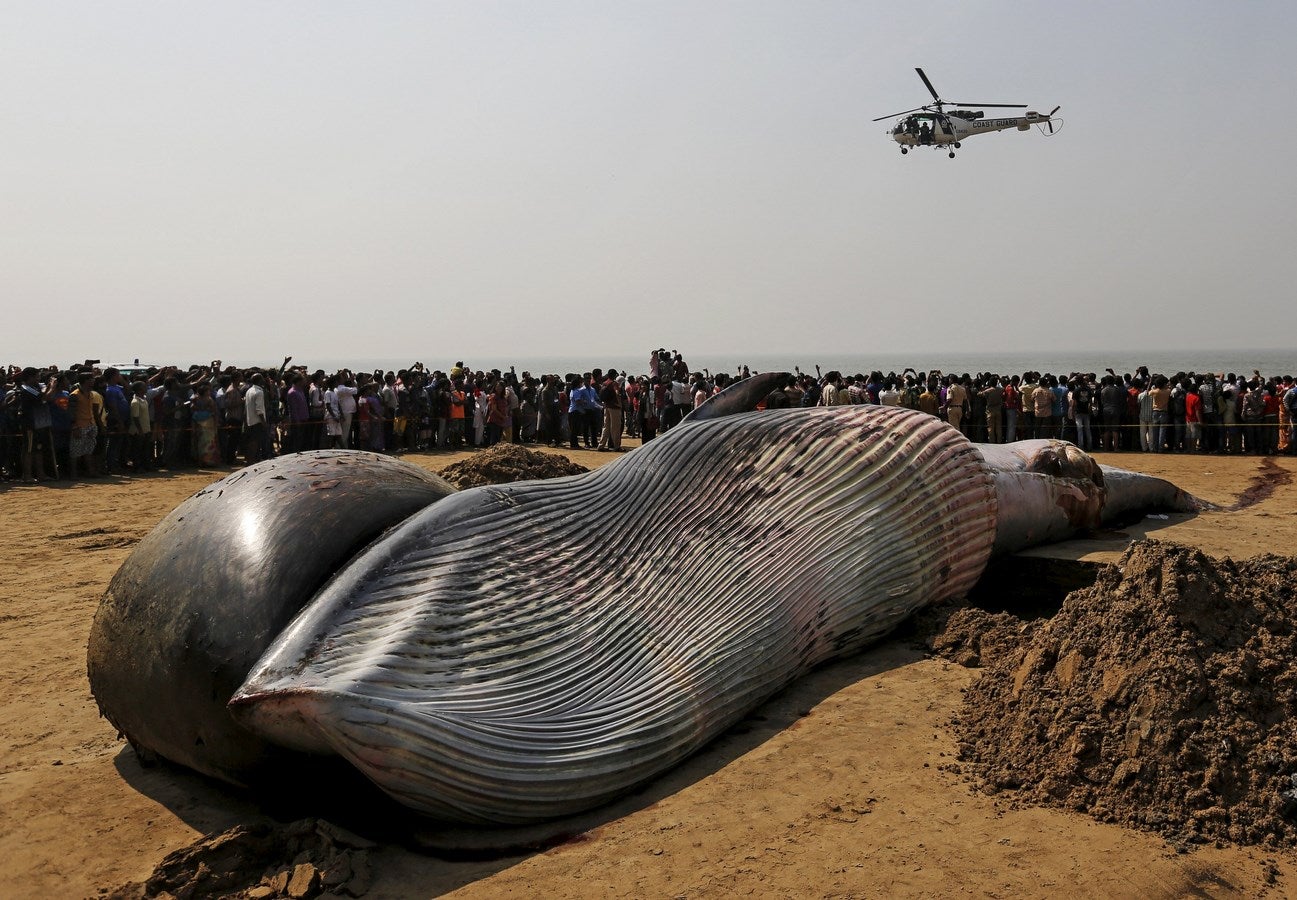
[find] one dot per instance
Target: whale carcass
(516, 653)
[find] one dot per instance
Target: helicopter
(933, 126)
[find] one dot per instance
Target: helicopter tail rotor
(1049, 119)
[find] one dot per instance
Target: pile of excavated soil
(970, 636)
(300, 859)
(1164, 698)
(505, 463)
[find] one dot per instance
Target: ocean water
(1267, 361)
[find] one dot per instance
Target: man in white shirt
(254, 420)
(347, 392)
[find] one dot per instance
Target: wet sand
(838, 786)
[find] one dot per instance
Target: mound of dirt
(1164, 698)
(505, 463)
(301, 859)
(971, 636)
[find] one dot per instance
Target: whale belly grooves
(515, 653)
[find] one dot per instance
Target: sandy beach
(839, 786)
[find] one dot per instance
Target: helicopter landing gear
(957, 145)
(904, 150)
(952, 154)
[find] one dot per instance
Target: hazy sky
(185, 181)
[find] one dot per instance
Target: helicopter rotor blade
(1055, 109)
(931, 89)
(893, 115)
(988, 105)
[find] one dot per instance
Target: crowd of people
(1153, 413)
(84, 420)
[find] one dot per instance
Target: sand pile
(971, 636)
(1164, 697)
(505, 463)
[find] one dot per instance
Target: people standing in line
(1220, 414)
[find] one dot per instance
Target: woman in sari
(205, 446)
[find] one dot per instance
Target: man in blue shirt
(118, 413)
(584, 414)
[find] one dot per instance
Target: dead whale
(511, 654)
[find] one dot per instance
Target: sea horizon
(1268, 361)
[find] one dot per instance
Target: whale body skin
(527, 651)
(208, 590)
(518, 653)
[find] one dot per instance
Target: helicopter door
(944, 129)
